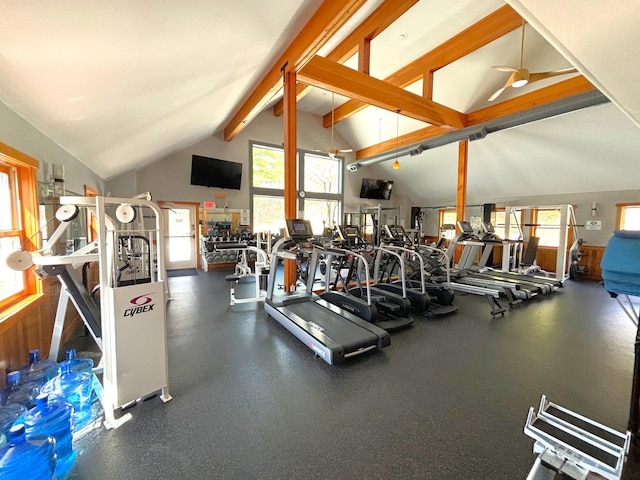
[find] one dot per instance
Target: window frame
(502, 226)
(535, 216)
(300, 162)
(620, 212)
(27, 221)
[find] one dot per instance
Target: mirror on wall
(76, 234)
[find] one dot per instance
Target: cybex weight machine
(128, 320)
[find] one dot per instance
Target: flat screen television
(376, 189)
(213, 172)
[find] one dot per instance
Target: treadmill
(333, 334)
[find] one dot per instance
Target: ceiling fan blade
(505, 69)
(553, 73)
(507, 84)
(497, 93)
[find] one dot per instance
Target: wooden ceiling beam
(490, 28)
(377, 22)
(334, 77)
(325, 22)
(552, 93)
(410, 138)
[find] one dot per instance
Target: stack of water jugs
(41, 407)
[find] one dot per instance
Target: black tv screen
(376, 189)
(213, 172)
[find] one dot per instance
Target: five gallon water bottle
(79, 364)
(33, 458)
(18, 391)
(74, 388)
(9, 414)
(38, 371)
(53, 418)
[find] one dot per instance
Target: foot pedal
(387, 307)
(394, 324)
(435, 310)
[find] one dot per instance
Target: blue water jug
(38, 370)
(53, 418)
(73, 388)
(33, 458)
(9, 414)
(79, 364)
(18, 391)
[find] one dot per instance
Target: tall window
(18, 222)
(628, 216)
(547, 227)
(319, 176)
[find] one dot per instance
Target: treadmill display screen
(466, 227)
(488, 227)
(299, 228)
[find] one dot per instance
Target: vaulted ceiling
(123, 84)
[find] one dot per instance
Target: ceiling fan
(521, 76)
(331, 151)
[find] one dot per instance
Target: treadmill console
(299, 229)
(465, 227)
(488, 227)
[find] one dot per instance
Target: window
(18, 223)
(447, 218)
(547, 227)
(319, 176)
(515, 225)
(628, 216)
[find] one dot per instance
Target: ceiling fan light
(396, 165)
(519, 79)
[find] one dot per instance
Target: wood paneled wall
(592, 256)
(32, 327)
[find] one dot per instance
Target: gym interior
(360, 248)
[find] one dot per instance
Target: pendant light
(396, 164)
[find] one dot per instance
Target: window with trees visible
(18, 223)
(628, 216)
(319, 176)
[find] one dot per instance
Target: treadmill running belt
(339, 329)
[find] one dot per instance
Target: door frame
(165, 204)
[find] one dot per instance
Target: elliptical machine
(352, 289)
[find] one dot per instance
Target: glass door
(180, 236)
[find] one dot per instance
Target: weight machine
(128, 321)
(567, 223)
(377, 221)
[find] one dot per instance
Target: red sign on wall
(209, 204)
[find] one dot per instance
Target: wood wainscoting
(592, 256)
(32, 326)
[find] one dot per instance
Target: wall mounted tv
(213, 172)
(376, 189)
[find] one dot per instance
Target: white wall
(169, 179)
(22, 136)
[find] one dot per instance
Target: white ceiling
(122, 84)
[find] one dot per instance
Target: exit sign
(209, 204)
